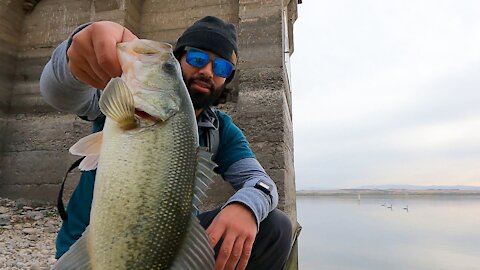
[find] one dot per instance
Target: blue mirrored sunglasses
(198, 58)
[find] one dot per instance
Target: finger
(96, 68)
(82, 54)
(127, 36)
(246, 252)
(106, 56)
(224, 253)
(104, 41)
(86, 78)
(215, 233)
(77, 63)
(80, 64)
(235, 254)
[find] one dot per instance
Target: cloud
(382, 88)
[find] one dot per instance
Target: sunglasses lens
(222, 68)
(197, 59)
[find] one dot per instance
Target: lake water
(344, 233)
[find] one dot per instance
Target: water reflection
(345, 233)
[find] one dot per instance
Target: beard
(202, 100)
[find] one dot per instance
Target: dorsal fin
(116, 102)
(89, 147)
(204, 176)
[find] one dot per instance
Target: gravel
(27, 235)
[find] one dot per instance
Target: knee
(284, 224)
(278, 224)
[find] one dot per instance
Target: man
(247, 232)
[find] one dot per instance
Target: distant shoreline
(344, 192)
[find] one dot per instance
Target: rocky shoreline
(27, 235)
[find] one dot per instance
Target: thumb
(127, 35)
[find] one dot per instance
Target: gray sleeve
(243, 175)
(63, 91)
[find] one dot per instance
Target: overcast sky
(386, 92)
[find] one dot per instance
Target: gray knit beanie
(210, 34)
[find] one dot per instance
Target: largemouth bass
(150, 171)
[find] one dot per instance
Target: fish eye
(168, 67)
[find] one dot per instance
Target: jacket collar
(208, 119)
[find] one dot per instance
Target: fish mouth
(144, 115)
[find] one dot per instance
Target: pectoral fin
(117, 104)
(89, 147)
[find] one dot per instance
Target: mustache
(203, 79)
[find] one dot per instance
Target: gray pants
(272, 243)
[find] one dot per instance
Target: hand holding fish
(236, 225)
(93, 53)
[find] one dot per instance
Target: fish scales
(128, 189)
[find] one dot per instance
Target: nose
(207, 70)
